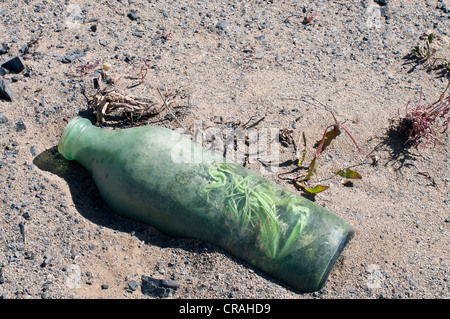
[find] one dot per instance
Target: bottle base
(336, 255)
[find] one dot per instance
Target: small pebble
(132, 285)
(133, 15)
(5, 92)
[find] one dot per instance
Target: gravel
(238, 61)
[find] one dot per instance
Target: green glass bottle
(139, 174)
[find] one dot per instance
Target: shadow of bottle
(89, 203)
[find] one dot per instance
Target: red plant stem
(319, 148)
(356, 144)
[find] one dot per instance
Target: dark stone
(133, 15)
(26, 215)
(96, 84)
(138, 34)
(4, 48)
(72, 56)
(28, 73)
(158, 288)
(20, 126)
(93, 28)
(3, 119)
(14, 65)
(5, 92)
(382, 2)
(2, 276)
(170, 283)
(132, 285)
(223, 25)
(3, 71)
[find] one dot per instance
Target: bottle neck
(70, 136)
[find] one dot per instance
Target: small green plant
(141, 71)
(444, 66)
(424, 53)
(331, 132)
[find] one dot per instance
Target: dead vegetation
(109, 99)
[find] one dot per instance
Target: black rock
(20, 126)
(93, 28)
(133, 15)
(158, 288)
(72, 56)
(382, 2)
(3, 119)
(26, 215)
(3, 71)
(96, 84)
(28, 73)
(14, 65)
(132, 285)
(2, 276)
(5, 92)
(4, 48)
(443, 7)
(222, 25)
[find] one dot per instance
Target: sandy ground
(229, 62)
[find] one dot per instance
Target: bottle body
(141, 174)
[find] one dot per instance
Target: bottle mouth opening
(69, 131)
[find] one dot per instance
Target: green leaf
(317, 189)
(301, 160)
(329, 136)
(301, 222)
(347, 175)
(311, 169)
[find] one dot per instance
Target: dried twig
(32, 43)
(106, 102)
(168, 108)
